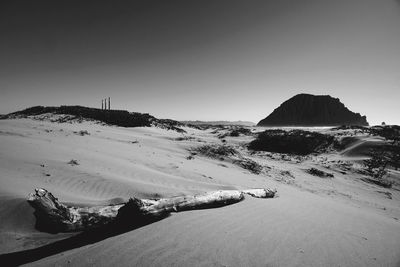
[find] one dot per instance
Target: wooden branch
(260, 192)
(53, 216)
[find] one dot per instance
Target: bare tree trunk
(53, 216)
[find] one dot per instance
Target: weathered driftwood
(53, 216)
(260, 192)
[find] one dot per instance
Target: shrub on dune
(297, 142)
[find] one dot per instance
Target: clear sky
(201, 60)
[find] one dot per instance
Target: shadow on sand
(79, 240)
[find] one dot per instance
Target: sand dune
(360, 147)
(341, 221)
(280, 232)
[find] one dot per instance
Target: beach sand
(312, 221)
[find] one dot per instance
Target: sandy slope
(280, 232)
(361, 146)
(313, 222)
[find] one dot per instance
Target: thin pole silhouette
(109, 103)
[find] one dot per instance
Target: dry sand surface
(313, 221)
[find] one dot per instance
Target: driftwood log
(53, 216)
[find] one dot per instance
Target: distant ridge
(313, 110)
(113, 117)
(240, 123)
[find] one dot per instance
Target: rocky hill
(313, 110)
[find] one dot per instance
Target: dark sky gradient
(206, 60)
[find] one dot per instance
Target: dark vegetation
(184, 138)
(386, 193)
(319, 173)
(350, 127)
(223, 152)
(342, 143)
(381, 158)
(381, 182)
(237, 131)
(215, 151)
(250, 165)
(354, 130)
(82, 133)
(296, 142)
(287, 173)
(73, 162)
(113, 117)
(204, 127)
(389, 132)
(198, 127)
(167, 124)
(388, 155)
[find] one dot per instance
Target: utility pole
(109, 103)
(105, 103)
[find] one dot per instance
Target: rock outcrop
(313, 110)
